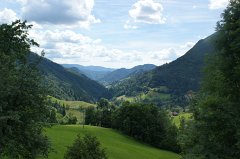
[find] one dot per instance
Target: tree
(23, 104)
(148, 124)
(69, 119)
(104, 111)
(85, 148)
(90, 116)
(215, 132)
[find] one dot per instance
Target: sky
(115, 33)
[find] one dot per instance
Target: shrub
(87, 147)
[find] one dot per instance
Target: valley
(169, 87)
(140, 79)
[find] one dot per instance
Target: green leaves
(215, 131)
(22, 97)
(87, 147)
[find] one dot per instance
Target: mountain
(93, 72)
(68, 85)
(175, 79)
(123, 73)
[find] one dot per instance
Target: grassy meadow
(117, 146)
(177, 119)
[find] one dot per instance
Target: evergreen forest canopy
(212, 132)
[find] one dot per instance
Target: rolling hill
(68, 85)
(117, 146)
(122, 73)
(178, 77)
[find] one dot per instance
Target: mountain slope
(69, 85)
(122, 73)
(185, 73)
(93, 72)
(179, 76)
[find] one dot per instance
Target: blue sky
(115, 33)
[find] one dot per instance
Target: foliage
(23, 105)
(147, 123)
(87, 147)
(215, 131)
(68, 119)
(144, 122)
(102, 115)
(68, 85)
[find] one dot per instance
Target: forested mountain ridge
(179, 76)
(93, 72)
(65, 84)
(185, 73)
(123, 73)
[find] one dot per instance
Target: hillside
(92, 72)
(67, 85)
(117, 146)
(122, 73)
(178, 77)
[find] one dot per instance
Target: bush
(87, 147)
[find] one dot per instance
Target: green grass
(117, 146)
(125, 98)
(77, 114)
(186, 116)
(73, 104)
(73, 107)
(152, 95)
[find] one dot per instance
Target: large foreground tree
(23, 107)
(215, 132)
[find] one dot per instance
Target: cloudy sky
(113, 33)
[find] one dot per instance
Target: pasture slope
(117, 146)
(177, 119)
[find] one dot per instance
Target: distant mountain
(93, 72)
(123, 73)
(177, 78)
(68, 85)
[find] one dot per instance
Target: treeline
(60, 82)
(144, 122)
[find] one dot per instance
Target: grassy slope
(152, 95)
(73, 104)
(118, 146)
(73, 107)
(177, 119)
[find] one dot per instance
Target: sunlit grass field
(177, 119)
(117, 146)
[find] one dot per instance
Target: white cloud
(7, 16)
(218, 4)
(128, 25)
(165, 54)
(67, 46)
(187, 45)
(70, 12)
(145, 11)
